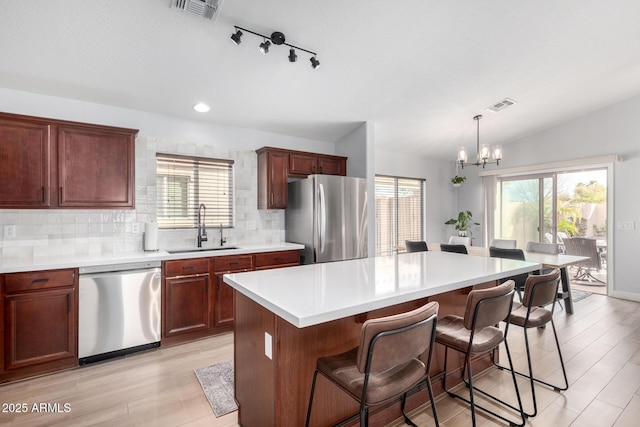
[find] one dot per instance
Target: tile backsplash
(47, 232)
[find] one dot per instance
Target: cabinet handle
(45, 280)
(234, 262)
(44, 199)
(206, 286)
(187, 267)
(68, 303)
(271, 199)
(278, 259)
(61, 195)
(320, 169)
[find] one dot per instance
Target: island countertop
(312, 294)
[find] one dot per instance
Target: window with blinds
(183, 183)
(399, 212)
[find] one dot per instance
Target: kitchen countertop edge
(18, 265)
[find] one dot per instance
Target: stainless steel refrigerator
(328, 215)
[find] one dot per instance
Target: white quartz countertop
(14, 265)
(312, 294)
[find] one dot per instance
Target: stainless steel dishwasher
(119, 310)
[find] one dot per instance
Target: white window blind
(183, 183)
(399, 212)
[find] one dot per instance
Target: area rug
(579, 295)
(217, 384)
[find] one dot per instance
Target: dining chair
(543, 248)
(584, 247)
(416, 245)
(503, 243)
(539, 292)
(477, 333)
(458, 240)
(516, 254)
(458, 249)
(386, 365)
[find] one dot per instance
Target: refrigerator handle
(322, 216)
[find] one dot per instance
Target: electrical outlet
(135, 228)
(9, 231)
(268, 347)
(626, 225)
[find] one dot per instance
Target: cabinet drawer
(233, 263)
(276, 258)
(19, 282)
(186, 267)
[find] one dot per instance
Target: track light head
(314, 62)
(264, 47)
(292, 55)
(237, 37)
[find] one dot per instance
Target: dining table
(560, 261)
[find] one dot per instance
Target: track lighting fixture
(237, 37)
(264, 47)
(292, 55)
(482, 152)
(277, 38)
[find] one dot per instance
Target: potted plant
(463, 223)
(458, 180)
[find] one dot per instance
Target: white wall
(70, 231)
(441, 197)
(611, 130)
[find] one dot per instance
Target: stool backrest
(503, 243)
(488, 307)
(395, 340)
(458, 240)
(541, 290)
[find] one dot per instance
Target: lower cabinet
(39, 323)
(192, 308)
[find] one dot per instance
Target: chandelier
(482, 152)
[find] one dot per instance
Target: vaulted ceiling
(419, 69)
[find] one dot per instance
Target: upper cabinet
(276, 166)
(47, 163)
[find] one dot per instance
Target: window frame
(396, 217)
(210, 181)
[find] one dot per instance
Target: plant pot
(462, 233)
(456, 185)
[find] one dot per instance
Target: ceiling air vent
(204, 8)
(501, 105)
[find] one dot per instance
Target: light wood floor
(600, 343)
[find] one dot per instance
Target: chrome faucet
(223, 240)
(202, 228)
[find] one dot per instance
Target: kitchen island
(285, 319)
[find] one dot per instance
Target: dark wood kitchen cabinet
(186, 300)
(47, 163)
(39, 322)
(96, 167)
(276, 166)
(223, 299)
(25, 153)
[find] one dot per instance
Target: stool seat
(538, 316)
(452, 333)
(383, 386)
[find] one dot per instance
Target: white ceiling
(419, 69)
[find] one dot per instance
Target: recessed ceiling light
(201, 107)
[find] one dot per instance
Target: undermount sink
(217, 248)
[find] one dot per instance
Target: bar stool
(386, 365)
(539, 292)
(476, 333)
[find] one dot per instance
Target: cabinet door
(278, 174)
(24, 164)
(302, 164)
(332, 166)
(223, 310)
(95, 167)
(187, 305)
(40, 327)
